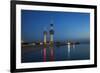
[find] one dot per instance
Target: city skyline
(67, 25)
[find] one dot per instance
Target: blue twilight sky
(67, 25)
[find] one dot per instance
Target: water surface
(55, 53)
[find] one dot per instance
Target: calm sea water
(56, 53)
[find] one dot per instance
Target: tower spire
(51, 20)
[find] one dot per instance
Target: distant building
(22, 41)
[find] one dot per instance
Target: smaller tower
(45, 37)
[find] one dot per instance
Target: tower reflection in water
(44, 54)
(51, 53)
(48, 52)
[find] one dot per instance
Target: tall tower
(51, 34)
(51, 41)
(45, 37)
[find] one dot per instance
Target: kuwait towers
(51, 32)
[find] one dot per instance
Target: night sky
(67, 25)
